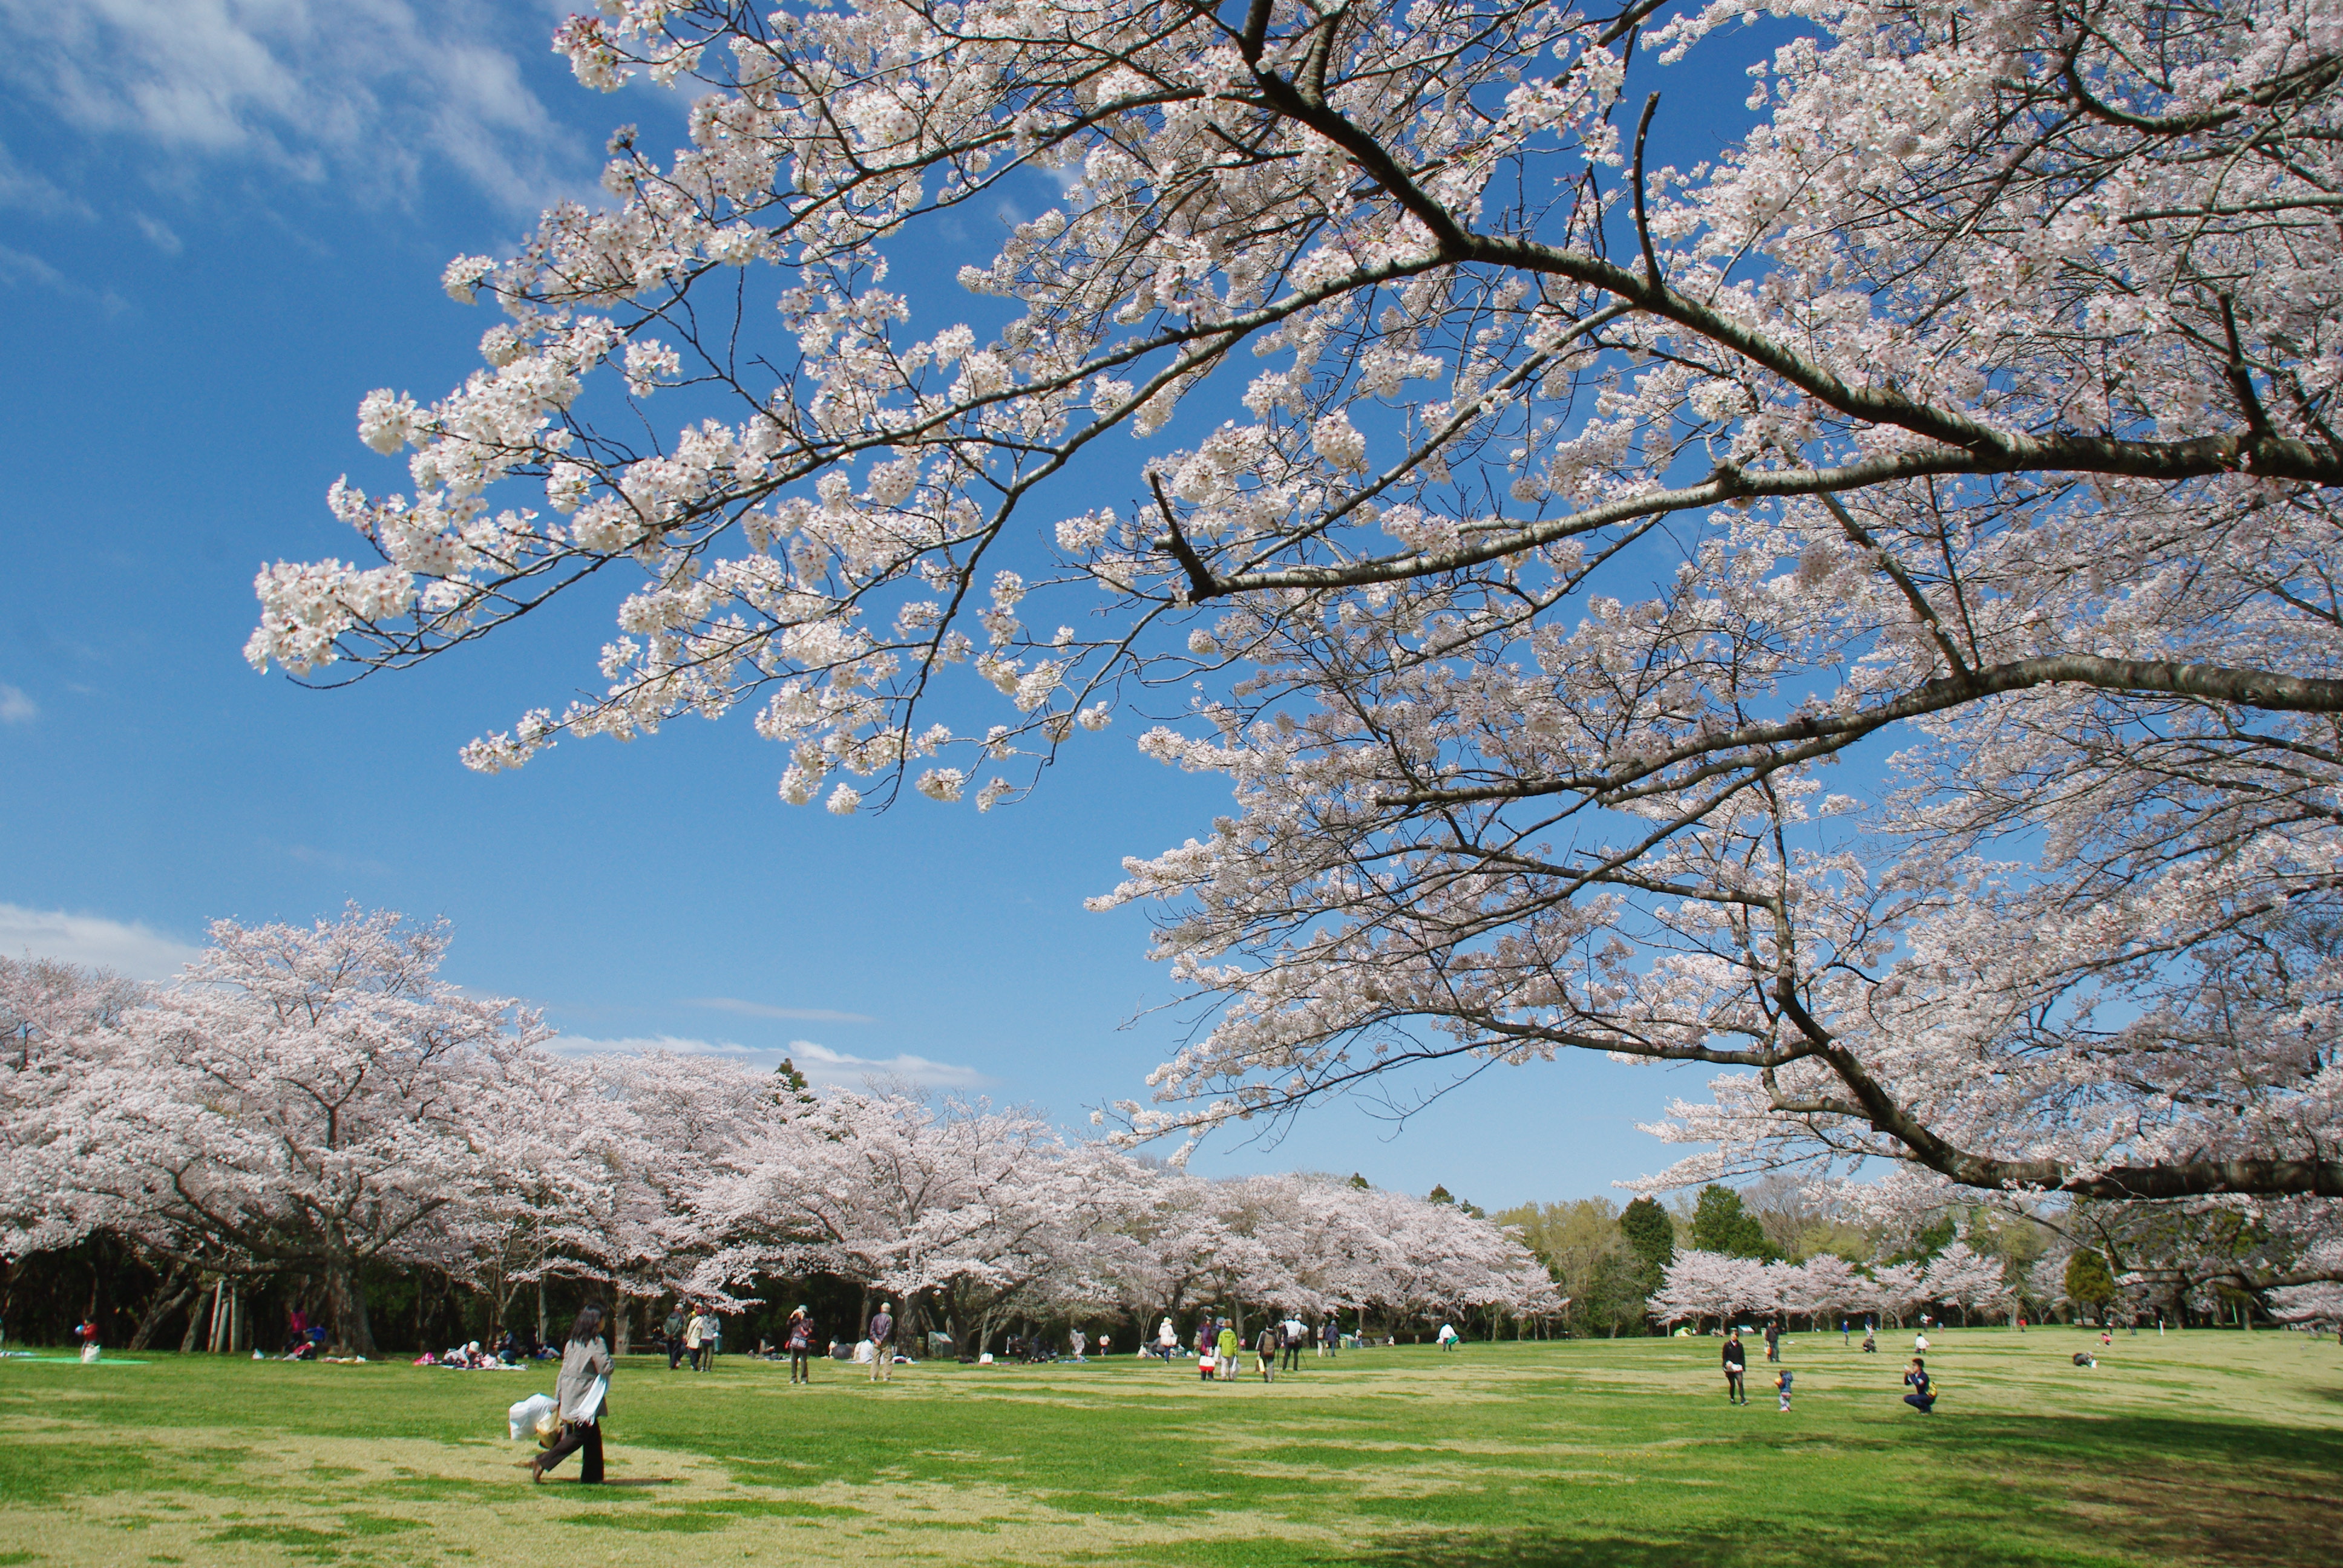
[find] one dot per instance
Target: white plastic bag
(88, 1354)
(535, 1416)
(590, 1403)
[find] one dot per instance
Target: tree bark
(346, 1309)
(161, 1307)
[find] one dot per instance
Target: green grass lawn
(2202, 1447)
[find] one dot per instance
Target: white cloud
(18, 267)
(159, 235)
(15, 708)
(759, 1010)
(132, 949)
(364, 93)
(34, 192)
(823, 1067)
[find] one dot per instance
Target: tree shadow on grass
(1994, 1492)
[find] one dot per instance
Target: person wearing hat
(797, 1340)
(882, 1347)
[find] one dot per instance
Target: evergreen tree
(2090, 1283)
(1720, 1223)
(1652, 1236)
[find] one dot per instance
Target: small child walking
(1781, 1381)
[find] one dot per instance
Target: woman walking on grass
(583, 1392)
(799, 1339)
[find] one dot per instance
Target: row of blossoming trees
(316, 1101)
(1701, 1286)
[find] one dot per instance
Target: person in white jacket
(583, 1391)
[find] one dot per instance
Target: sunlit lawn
(2203, 1447)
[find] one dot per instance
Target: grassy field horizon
(2205, 1446)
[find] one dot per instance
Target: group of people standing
(1219, 1346)
(1923, 1397)
(697, 1333)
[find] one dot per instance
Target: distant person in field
(1265, 1350)
(1077, 1343)
(1772, 1341)
(1870, 1340)
(1207, 1350)
(882, 1344)
(676, 1323)
(1737, 1365)
(1446, 1337)
(797, 1340)
(1167, 1340)
(1292, 1334)
(1328, 1334)
(1781, 1381)
(1923, 1397)
(692, 1328)
(584, 1360)
(1228, 1350)
(1920, 1344)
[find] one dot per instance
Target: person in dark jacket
(675, 1323)
(1923, 1397)
(1772, 1341)
(585, 1362)
(882, 1344)
(1736, 1367)
(1265, 1350)
(797, 1340)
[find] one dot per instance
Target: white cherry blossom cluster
(1974, 414)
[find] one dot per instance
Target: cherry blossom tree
(304, 1098)
(968, 1204)
(1966, 1280)
(1972, 413)
(49, 1013)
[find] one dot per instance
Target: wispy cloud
(31, 191)
(159, 235)
(823, 1067)
(18, 267)
(362, 93)
(15, 708)
(759, 1010)
(132, 949)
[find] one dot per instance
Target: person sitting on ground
(1870, 1340)
(1923, 1397)
(2086, 1359)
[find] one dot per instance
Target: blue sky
(221, 223)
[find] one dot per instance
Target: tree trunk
(346, 1309)
(197, 1316)
(540, 1309)
(623, 1312)
(162, 1307)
